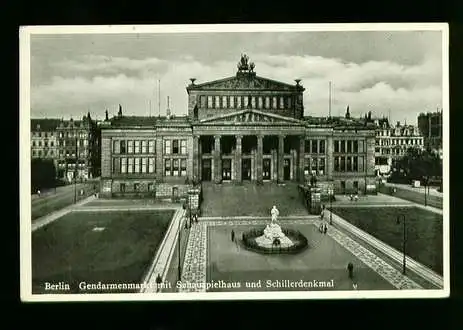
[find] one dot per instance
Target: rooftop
(45, 124)
(145, 121)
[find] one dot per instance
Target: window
(289, 101)
(167, 167)
(282, 102)
(274, 102)
(117, 165)
(224, 102)
(136, 187)
(130, 146)
(151, 146)
(343, 146)
(253, 102)
(322, 147)
(313, 166)
(144, 165)
(349, 146)
(307, 146)
(167, 147)
(232, 102)
(260, 102)
(144, 145)
(356, 146)
(202, 101)
(123, 149)
(150, 165)
(355, 164)
(360, 164)
(217, 102)
(122, 187)
(239, 103)
(360, 146)
(349, 164)
(175, 167)
(336, 146)
(314, 146)
(137, 146)
(33, 152)
(137, 165)
(130, 165)
(52, 144)
(321, 166)
(33, 143)
(343, 164)
(175, 147)
(267, 102)
(40, 143)
(183, 147)
(209, 102)
(306, 166)
(183, 167)
(246, 101)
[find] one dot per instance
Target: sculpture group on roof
(243, 64)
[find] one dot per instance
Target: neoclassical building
(237, 129)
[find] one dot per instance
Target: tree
(43, 174)
(417, 165)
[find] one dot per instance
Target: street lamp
(331, 205)
(404, 266)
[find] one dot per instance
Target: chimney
(168, 108)
(120, 111)
(106, 115)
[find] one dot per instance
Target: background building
(71, 144)
(430, 126)
(392, 142)
(241, 128)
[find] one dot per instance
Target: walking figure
(325, 228)
(350, 269)
(158, 282)
(38, 192)
(233, 235)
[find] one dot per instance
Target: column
(259, 159)
(301, 159)
(329, 163)
(217, 160)
(281, 149)
(196, 156)
(159, 159)
(238, 158)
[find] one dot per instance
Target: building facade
(237, 129)
(430, 125)
(68, 143)
(392, 143)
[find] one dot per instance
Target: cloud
(97, 82)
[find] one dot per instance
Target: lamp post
(404, 222)
(331, 205)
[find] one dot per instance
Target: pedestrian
(158, 282)
(350, 269)
(325, 228)
(233, 235)
(38, 192)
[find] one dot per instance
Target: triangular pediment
(244, 82)
(252, 117)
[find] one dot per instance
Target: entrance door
(226, 169)
(246, 169)
(206, 173)
(287, 170)
(266, 169)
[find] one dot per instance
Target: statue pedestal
(271, 232)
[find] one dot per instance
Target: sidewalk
(432, 190)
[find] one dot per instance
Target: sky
(388, 73)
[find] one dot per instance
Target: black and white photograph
(231, 162)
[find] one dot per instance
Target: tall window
(355, 164)
(288, 100)
(130, 147)
(40, 143)
(282, 102)
(183, 167)
(231, 102)
(137, 146)
(336, 146)
(224, 102)
(306, 166)
(183, 147)
(202, 101)
(349, 163)
(52, 144)
(253, 102)
(313, 166)
(130, 165)
(167, 147)
(175, 167)
(274, 102)
(267, 102)
(209, 102)
(123, 165)
(137, 165)
(343, 146)
(307, 146)
(355, 146)
(360, 164)
(217, 102)
(246, 101)
(151, 146)
(343, 164)
(150, 165)
(175, 147)
(349, 146)
(167, 167)
(239, 103)
(322, 146)
(144, 165)
(260, 102)
(144, 145)
(314, 146)
(33, 143)
(117, 165)
(321, 166)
